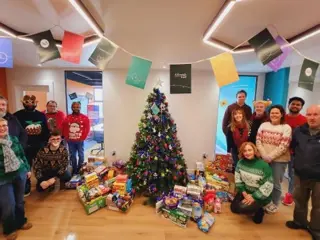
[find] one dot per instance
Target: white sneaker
(271, 208)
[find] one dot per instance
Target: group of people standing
(263, 146)
(42, 141)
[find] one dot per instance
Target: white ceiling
(164, 31)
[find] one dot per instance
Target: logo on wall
(180, 78)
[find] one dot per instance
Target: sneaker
(271, 208)
(288, 199)
(294, 225)
(258, 216)
(12, 236)
(26, 226)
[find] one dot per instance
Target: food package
(171, 202)
(180, 191)
(208, 199)
(196, 211)
(176, 216)
(206, 222)
(120, 188)
(194, 191)
(185, 206)
(122, 178)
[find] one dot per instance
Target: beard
(29, 108)
(294, 111)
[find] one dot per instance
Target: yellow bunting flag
(224, 69)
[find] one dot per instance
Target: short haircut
(55, 133)
(75, 103)
(281, 109)
(243, 145)
(52, 101)
(241, 91)
(4, 99)
(3, 120)
(297, 99)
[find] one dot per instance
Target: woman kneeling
(254, 183)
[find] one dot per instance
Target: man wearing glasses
(50, 163)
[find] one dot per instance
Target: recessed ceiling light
(39, 65)
(164, 66)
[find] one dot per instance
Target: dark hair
(282, 111)
(52, 101)
(75, 103)
(241, 91)
(3, 98)
(297, 99)
(55, 133)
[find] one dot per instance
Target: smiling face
(260, 108)
(238, 116)
(275, 116)
(51, 107)
(76, 107)
(3, 128)
(248, 152)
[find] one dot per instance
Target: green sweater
(24, 166)
(255, 178)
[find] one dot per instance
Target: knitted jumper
(48, 160)
(274, 141)
(255, 177)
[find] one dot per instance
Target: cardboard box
(176, 217)
(94, 205)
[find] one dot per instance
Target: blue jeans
(291, 176)
(74, 148)
(278, 170)
(12, 205)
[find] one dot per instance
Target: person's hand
(249, 200)
(267, 159)
(244, 194)
(28, 175)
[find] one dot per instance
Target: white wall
(21, 79)
(309, 97)
(195, 114)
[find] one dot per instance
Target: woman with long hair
(237, 133)
(273, 140)
(14, 171)
(254, 183)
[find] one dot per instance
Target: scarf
(11, 162)
(240, 134)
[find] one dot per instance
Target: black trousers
(46, 175)
(31, 153)
(240, 208)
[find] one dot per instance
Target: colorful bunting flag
(180, 78)
(6, 58)
(265, 46)
(73, 96)
(276, 63)
(46, 46)
(72, 47)
(103, 53)
(224, 69)
(308, 74)
(155, 109)
(138, 72)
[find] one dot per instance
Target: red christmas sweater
(55, 120)
(76, 127)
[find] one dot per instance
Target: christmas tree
(156, 161)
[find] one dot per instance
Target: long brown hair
(243, 145)
(244, 121)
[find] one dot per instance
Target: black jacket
(15, 129)
(35, 125)
(306, 152)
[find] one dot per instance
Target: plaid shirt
(18, 151)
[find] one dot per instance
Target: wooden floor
(60, 216)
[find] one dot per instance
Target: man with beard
(294, 119)
(15, 128)
(76, 128)
(35, 124)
